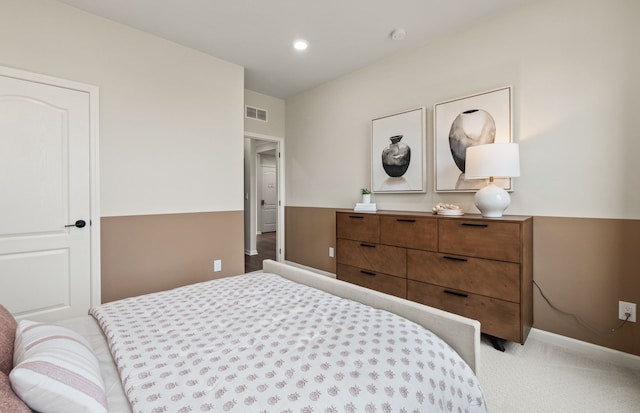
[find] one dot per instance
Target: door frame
(280, 153)
(94, 192)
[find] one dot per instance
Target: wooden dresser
(481, 268)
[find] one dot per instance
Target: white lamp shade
(498, 160)
(494, 160)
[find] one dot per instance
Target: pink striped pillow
(55, 370)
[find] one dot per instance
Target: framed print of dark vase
(398, 152)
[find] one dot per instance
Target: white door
(45, 264)
(269, 199)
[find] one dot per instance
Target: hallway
(266, 246)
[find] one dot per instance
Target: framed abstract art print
(477, 119)
(398, 152)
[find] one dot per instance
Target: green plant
(365, 191)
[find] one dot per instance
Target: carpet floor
(540, 377)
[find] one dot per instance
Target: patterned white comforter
(260, 343)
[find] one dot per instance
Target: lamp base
(492, 201)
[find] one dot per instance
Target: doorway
(268, 193)
(263, 203)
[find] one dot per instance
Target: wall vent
(255, 113)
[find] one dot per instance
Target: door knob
(78, 224)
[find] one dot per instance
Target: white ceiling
(343, 35)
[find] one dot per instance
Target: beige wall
(309, 233)
(585, 266)
(275, 108)
(171, 122)
(147, 253)
(170, 138)
(573, 67)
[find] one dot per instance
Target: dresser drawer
(410, 232)
(359, 227)
(374, 257)
(485, 239)
(497, 317)
(498, 279)
(375, 280)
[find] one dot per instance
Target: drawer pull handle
(447, 257)
(367, 245)
(457, 294)
(368, 273)
(405, 220)
(469, 224)
(356, 216)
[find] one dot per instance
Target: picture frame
(398, 149)
(480, 118)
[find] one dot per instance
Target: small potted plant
(366, 195)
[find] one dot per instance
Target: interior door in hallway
(269, 200)
(45, 239)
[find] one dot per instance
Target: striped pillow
(55, 370)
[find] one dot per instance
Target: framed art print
(398, 152)
(478, 119)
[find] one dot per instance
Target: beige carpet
(541, 377)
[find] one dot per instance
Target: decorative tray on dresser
(481, 268)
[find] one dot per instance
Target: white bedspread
(260, 343)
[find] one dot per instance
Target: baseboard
(590, 350)
(325, 273)
(250, 252)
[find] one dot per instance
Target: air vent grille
(255, 113)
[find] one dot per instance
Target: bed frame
(461, 333)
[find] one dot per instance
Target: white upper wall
(573, 66)
(275, 110)
(171, 118)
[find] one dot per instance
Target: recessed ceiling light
(300, 44)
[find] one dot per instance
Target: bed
(258, 342)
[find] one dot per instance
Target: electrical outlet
(624, 308)
(331, 252)
(217, 265)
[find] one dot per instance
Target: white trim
(590, 350)
(250, 252)
(94, 156)
(281, 187)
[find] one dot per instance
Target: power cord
(578, 319)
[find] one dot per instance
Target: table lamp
(494, 160)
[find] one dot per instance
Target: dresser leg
(496, 342)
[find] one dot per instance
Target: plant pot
(366, 198)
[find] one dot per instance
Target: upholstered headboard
(461, 333)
